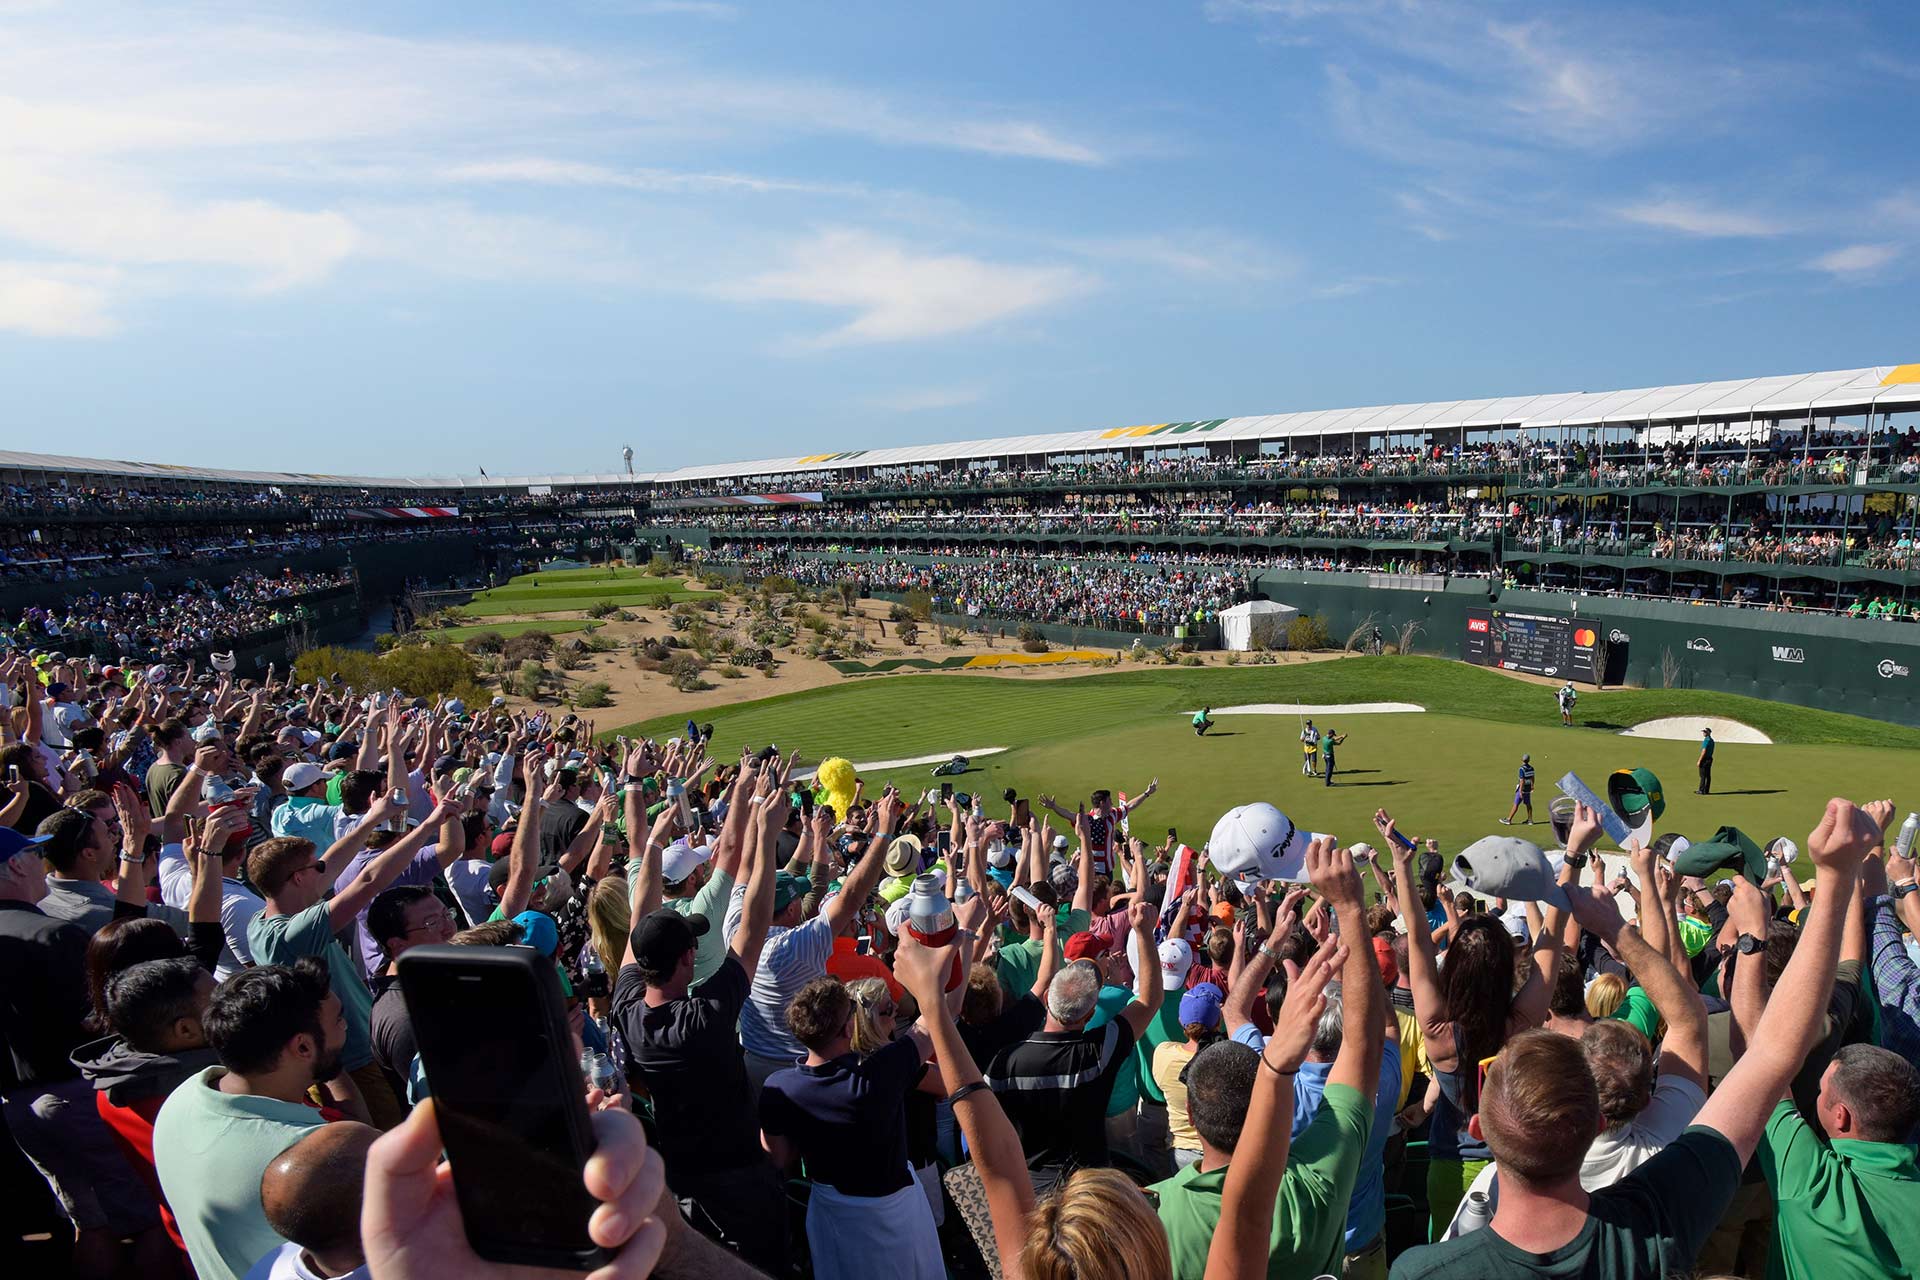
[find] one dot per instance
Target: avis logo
(1700, 644)
(1782, 653)
(1477, 624)
(1888, 669)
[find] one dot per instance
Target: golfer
(1309, 750)
(1522, 793)
(1328, 741)
(1705, 762)
(1202, 722)
(1567, 697)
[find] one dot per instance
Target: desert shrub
(817, 623)
(779, 584)
(527, 682)
(1308, 631)
(1233, 658)
(485, 642)
(531, 644)
(684, 669)
(897, 612)
(1138, 651)
(1035, 645)
(594, 693)
(601, 609)
(733, 672)
(659, 567)
(909, 631)
(920, 604)
(1191, 660)
(423, 670)
(569, 659)
(1028, 631)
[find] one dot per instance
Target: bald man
(311, 1193)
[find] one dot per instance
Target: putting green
(1448, 772)
(564, 590)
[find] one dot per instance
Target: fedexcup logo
(1783, 653)
(1700, 644)
(1888, 669)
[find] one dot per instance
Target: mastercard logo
(1584, 636)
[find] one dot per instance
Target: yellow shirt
(1413, 1052)
(1169, 1060)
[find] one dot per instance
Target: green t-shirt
(709, 900)
(1310, 1213)
(284, 939)
(1164, 1027)
(1637, 1010)
(1842, 1208)
(1651, 1223)
(1019, 963)
(162, 778)
(210, 1149)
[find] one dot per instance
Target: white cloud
(897, 294)
(546, 171)
(1206, 255)
(921, 399)
(55, 301)
(1855, 259)
(1695, 218)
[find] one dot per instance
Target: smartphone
(1022, 815)
(946, 792)
(863, 946)
(491, 1028)
(806, 804)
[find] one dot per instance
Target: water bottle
(979, 811)
(1478, 1212)
(931, 921)
(1903, 843)
(677, 793)
(601, 1072)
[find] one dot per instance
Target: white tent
(1257, 624)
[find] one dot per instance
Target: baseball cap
(1389, 967)
(786, 888)
(680, 859)
(999, 854)
(208, 732)
(1201, 1004)
(298, 777)
(12, 842)
(1258, 842)
(56, 689)
(502, 844)
(1059, 844)
(663, 936)
(1222, 911)
(1085, 946)
(538, 931)
(1176, 957)
(1508, 867)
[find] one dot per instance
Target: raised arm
(1335, 878)
(1082, 866)
(351, 899)
(1423, 971)
(1244, 986)
(524, 856)
(1683, 1052)
(840, 911)
(1248, 1201)
(770, 817)
(1148, 986)
(1795, 1013)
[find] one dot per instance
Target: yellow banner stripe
(1904, 373)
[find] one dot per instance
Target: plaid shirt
(1896, 982)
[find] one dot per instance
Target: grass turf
(564, 590)
(1448, 772)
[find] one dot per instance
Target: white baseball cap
(1176, 958)
(680, 860)
(1258, 842)
(298, 777)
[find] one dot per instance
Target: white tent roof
(1732, 400)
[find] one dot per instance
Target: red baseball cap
(1086, 946)
(502, 844)
(1383, 955)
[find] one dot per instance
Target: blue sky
(412, 238)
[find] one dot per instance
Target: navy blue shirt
(848, 1117)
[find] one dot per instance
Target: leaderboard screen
(1540, 644)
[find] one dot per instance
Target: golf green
(564, 590)
(1447, 772)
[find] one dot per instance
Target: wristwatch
(1902, 888)
(1269, 953)
(1749, 944)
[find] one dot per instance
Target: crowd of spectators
(971, 1041)
(174, 621)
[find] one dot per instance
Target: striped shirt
(790, 960)
(1054, 1086)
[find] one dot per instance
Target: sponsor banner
(1539, 644)
(742, 500)
(1891, 670)
(396, 513)
(1789, 653)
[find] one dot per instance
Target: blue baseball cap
(12, 842)
(538, 931)
(1201, 1004)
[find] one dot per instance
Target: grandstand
(1793, 494)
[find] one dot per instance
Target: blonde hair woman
(609, 921)
(1606, 995)
(1098, 1226)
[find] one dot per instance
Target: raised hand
(1845, 835)
(1331, 871)
(1750, 910)
(1306, 1001)
(1597, 911)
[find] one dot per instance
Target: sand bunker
(1318, 709)
(1687, 729)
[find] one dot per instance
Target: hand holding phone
(509, 1102)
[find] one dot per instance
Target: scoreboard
(1541, 644)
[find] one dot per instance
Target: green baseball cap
(1632, 791)
(1727, 847)
(786, 888)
